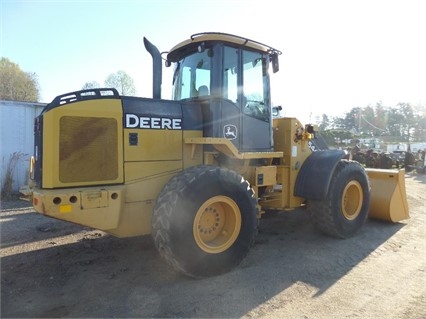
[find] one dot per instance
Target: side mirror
(276, 110)
(275, 63)
(311, 128)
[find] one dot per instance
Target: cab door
(246, 116)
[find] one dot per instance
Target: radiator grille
(88, 149)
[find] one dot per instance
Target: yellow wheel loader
(197, 172)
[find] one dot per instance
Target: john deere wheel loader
(198, 171)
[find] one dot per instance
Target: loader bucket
(388, 196)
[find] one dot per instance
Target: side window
(254, 77)
(230, 76)
(192, 76)
(202, 82)
(186, 82)
(253, 92)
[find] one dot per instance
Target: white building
(17, 137)
(414, 147)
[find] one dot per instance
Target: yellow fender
(388, 195)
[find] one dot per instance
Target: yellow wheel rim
(217, 224)
(352, 200)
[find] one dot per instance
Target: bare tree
(90, 85)
(122, 82)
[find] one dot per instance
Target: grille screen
(87, 149)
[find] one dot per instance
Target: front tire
(205, 221)
(345, 209)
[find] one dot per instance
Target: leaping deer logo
(230, 132)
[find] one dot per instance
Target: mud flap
(388, 195)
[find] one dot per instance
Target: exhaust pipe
(157, 68)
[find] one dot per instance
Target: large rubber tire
(345, 209)
(205, 221)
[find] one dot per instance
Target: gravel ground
(54, 269)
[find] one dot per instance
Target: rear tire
(345, 209)
(205, 221)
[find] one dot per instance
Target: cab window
(254, 77)
(245, 81)
(192, 76)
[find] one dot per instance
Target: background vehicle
(419, 164)
(197, 172)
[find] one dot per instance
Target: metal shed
(17, 139)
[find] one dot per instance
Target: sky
(337, 54)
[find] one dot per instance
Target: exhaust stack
(157, 69)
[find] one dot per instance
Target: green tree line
(401, 123)
(17, 85)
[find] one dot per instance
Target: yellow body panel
(154, 145)
(295, 149)
(225, 146)
(265, 175)
(97, 207)
(85, 143)
(144, 180)
(192, 154)
(85, 131)
(135, 219)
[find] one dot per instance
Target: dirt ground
(51, 268)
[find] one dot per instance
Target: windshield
(192, 76)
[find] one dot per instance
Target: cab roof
(188, 45)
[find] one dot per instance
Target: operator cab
(229, 75)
